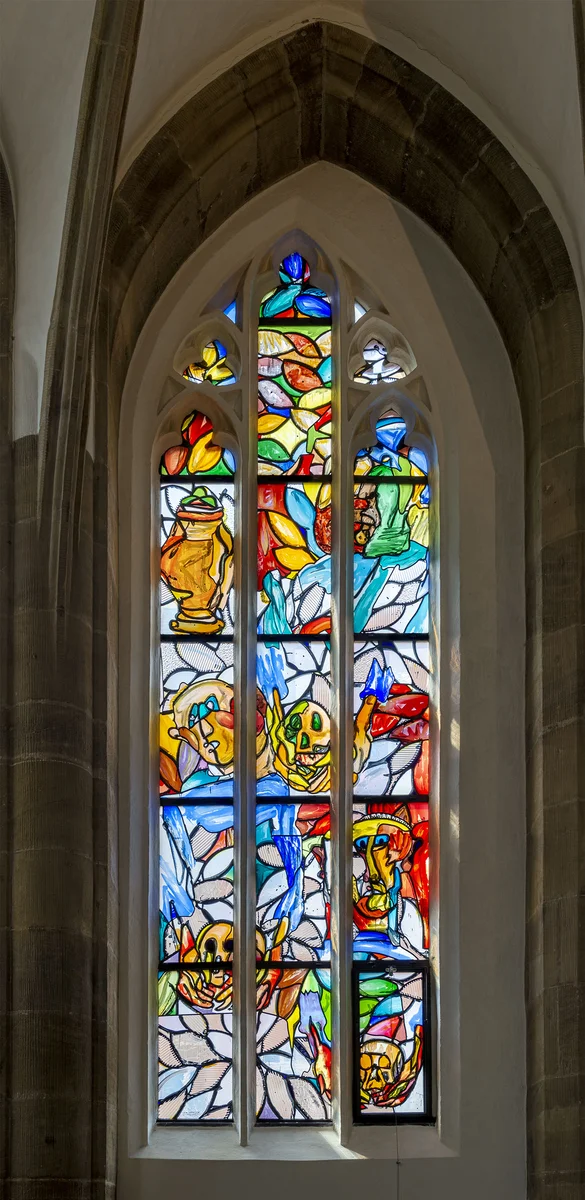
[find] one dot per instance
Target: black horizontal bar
(276, 322)
(293, 965)
(182, 801)
(390, 637)
(261, 965)
(203, 1122)
(293, 637)
(401, 480)
(389, 799)
(215, 965)
(296, 799)
(200, 478)
(286, 479)
(196, 637)
(277, 1123)
(186, 480)
(210, 1123)
(406, 965)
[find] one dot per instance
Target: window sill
(294, 1145)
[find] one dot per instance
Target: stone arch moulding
(322, 200)
(327, 93)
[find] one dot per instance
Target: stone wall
(321, 93)
(57, 819)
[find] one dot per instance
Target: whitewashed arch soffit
(417, 38)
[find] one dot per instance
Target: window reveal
(298, 398)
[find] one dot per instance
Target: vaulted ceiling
(512, 62)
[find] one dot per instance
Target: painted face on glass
(381, 850)
(305, 738)
(214, 947)
(204, 717)
(380, 1064)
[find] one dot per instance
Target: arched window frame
(357, 405)
(413, 1142)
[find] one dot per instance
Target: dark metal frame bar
(393, 1116)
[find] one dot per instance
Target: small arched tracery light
(378, 367)
(212, 367)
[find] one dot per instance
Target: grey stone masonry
(58, 915)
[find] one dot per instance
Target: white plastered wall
(43, 53)
(478, 1145)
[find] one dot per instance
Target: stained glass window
(197, 702)
(303, 719)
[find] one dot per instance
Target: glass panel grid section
(391, 1043)
(293, 967)
(197, 752)
(390, 871)
(293, 832)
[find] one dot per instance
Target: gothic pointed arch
(327, 93)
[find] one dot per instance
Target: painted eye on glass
(200, 711)
(316, 723)
(293, 726)
(381, 839)
(361, 845)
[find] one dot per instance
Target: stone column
(59, 890)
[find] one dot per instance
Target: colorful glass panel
(391, 1036)
(293, 1041)
(293, 881)
(197, 453)
(390, 874)
(391, 557)
(294, 558)
(391, 707)
(213, 367)
(197, 561)
(294, 376)
(391, 454)
(197, 719)
(196, 880)
(195, 1040)
(377, 366)
(390, 879)
(197, 753)
(294, 697)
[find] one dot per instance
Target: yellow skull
(380, 1065)
(303, 740)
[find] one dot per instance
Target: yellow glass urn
(197, 563)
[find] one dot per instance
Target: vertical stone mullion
(342, 785)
